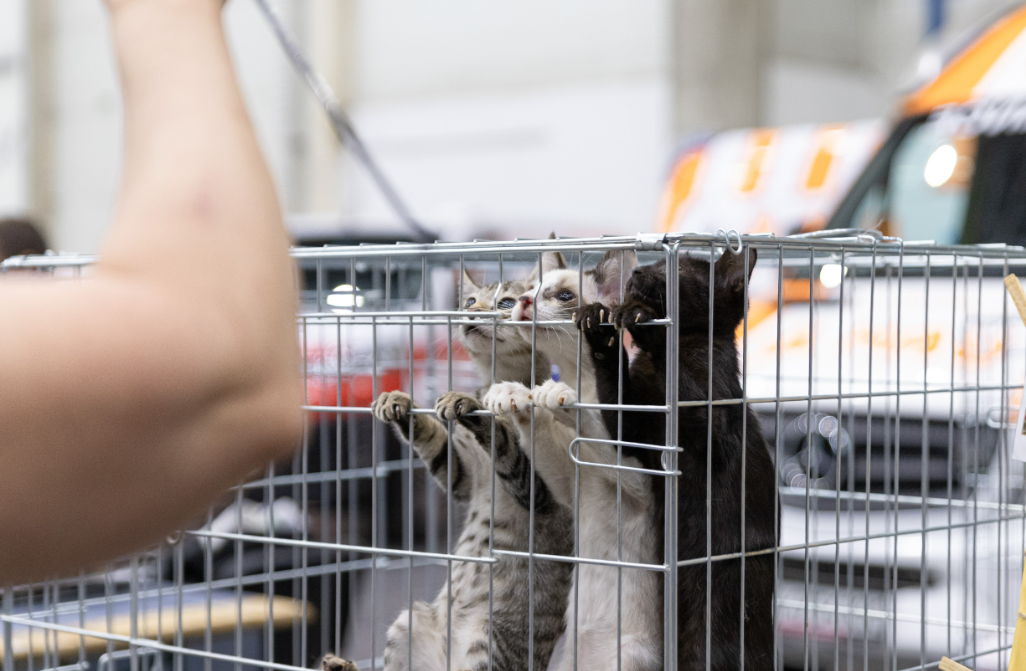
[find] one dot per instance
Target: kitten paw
(633, 316)
(333, 663)
(507, 397)
(633, 312)
(554, 395)
(393, 406)
(593, 321)
(455, 405)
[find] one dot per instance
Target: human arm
(131, 398)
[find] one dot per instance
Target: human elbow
(276, 416)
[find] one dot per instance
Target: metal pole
(340, 121)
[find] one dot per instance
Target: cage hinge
(648, 242)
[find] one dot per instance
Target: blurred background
(493, 119)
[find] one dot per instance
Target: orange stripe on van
(758, 146)
(679, 190)
(955, 84)
(824, 153)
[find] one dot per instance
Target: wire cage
(881, 379)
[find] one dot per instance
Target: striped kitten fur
(470, 483)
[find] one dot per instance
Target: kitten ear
(469, 285)
(610, 272)
(549, 261)
(730, 268)
(553, 261)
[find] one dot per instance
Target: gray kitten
(470, 482)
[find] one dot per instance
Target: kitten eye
(565, 296)
(507, 304)
(470, 301)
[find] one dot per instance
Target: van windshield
(997, 205)
(923, 193)
(929, 183)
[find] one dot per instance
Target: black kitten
(644, 383)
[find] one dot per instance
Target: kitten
(644, 383)
(471, 484)
(513, 353)
(596, 608)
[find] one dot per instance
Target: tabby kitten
(470, 483)
(644, 383)
(634, 596)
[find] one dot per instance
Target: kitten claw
(611, 341)
(637, 318)
(333, 663)
(587, 322)
(602, 315)
(573, 316)
(392, 406)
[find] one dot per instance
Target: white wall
(408, 48)
(14, 128)
(837, 60)
(581, 159)
(514, 119)
(504, 119)
(803, 91)
(84, 124)
(82, 117)
(274, 96)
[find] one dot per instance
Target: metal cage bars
(884, 264)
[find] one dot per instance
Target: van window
(916, 187)
(997, 204)
(929, 185)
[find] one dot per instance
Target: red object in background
(357, 390)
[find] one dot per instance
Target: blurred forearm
(198, 212)
(195, 184)
(175, 368)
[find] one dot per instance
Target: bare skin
(130, 399)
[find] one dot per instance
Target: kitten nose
(525, 302)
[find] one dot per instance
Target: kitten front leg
(595, 321)
(511, 464)
(549, 436)
(634, 316)
(426, 642)
(430, 440)
(554, 396)
(612, 365)
(393, 407)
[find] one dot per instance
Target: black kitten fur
(644, 383)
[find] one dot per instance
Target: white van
(887, 382)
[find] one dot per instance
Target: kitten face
(495, 296)
(648, 285)
(557, 296)
(561, 290)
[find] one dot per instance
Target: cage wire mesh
(885, 376)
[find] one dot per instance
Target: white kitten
(637, 592)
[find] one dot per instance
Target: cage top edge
(863, 242)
